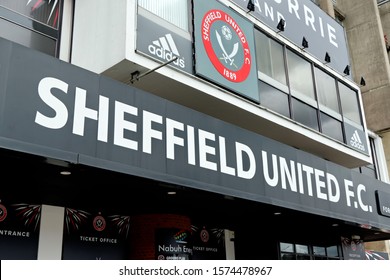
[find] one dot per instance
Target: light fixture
(171, 193)
(305, 43)
(65, 172)
(327, 57)
(362, 81)
(281, 25)
(250, 6)
(346, 70)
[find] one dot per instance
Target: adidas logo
(165, 48)
(357, 142)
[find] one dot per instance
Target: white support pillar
(51, 233)
(229, 245)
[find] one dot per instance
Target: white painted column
(51, 233)
(229, 245)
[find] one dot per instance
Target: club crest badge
(99, 223)
(204, 235)
(3, 212)
(226, 46)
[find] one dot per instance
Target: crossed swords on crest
(228, 58)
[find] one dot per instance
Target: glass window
(33, 24)
(371, 169)
(349, 103)
(303, 257)
(291, 251)
(326, 90)
(274, 99)
(331, 127)
(173, 11)
(25, 37)
(286, 256)
(320, 258)
(332, 251)
(304, 114)
(375, 165)
(319, 251)
(300, 75)
(270, 58)
(46, 12)
(302, 249)
(287, 247)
